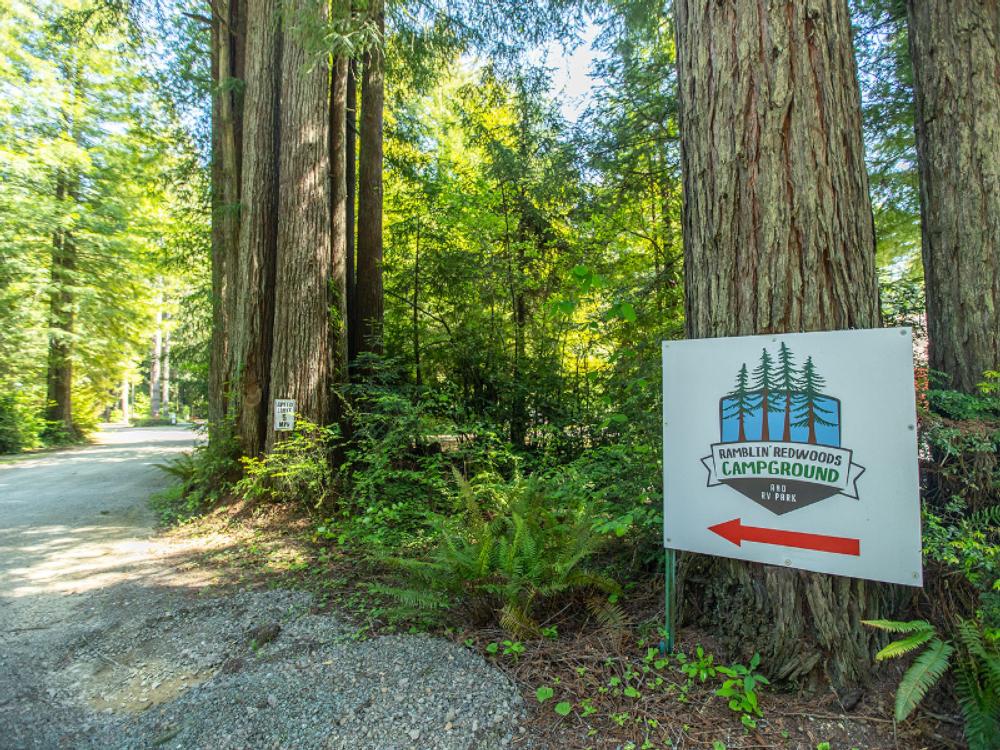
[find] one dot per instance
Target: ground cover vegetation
(382, 212)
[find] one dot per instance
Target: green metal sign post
(670, 604)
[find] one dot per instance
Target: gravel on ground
(108, 640)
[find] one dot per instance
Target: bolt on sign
(797, 450)
(284, 414)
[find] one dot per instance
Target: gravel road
(110, 639)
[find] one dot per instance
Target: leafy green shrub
(513, 551)
(396, 473)
(962, 435)
(624, 485)
(963, 553)
(296, 470)
(20, 426)
(205, 475)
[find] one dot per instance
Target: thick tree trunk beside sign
(955, 48)
(778, 237)
(302, 356)
(250, 338)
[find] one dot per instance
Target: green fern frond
(413, 599)
(905, 645)
(925, 671)
(980, 708)
(893, 626)
(988, 518)
(516, 621)
(972, 639)
(609, 616)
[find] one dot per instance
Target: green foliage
(512, 552)
(741, 689)
(91, 188)
(975, 657)
(396, 473)
(701, 666)
(21, 427)
(204, 476)
(964, 549)
(962, 434)
(623, 484)
(296, 470)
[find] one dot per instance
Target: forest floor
(237, 630)
(273, 547)
(112, 636)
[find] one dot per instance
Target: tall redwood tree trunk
(338, 221)
(301, 362)
(778, 236)
(251, 330)
(351, 169)
(228, 55)
(955, 48)
(367, 332)
(217, 354)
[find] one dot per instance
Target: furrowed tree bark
(217, 348)
(778, 237)
(301, 363)
(955, 49)
(251, 337)
(228, 43)
(351, 162)
(367, 331)
(338, 222)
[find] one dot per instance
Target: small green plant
(701, 667)
(551, 632)
(297, 468)
(740, 690)
(543, 693)
(513, 649)
(974, 654)
(563, 708)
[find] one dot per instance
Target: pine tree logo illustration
(780, 437)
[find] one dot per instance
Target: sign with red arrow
(737, 533)
(796, 450)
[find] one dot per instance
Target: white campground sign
(797, 450)
(284, 415)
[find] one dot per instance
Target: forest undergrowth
(549, 564)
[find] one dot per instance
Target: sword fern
(508, 557)
(975, 660)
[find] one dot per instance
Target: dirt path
(111, 637)
(77, 520)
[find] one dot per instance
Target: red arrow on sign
(737, 533)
